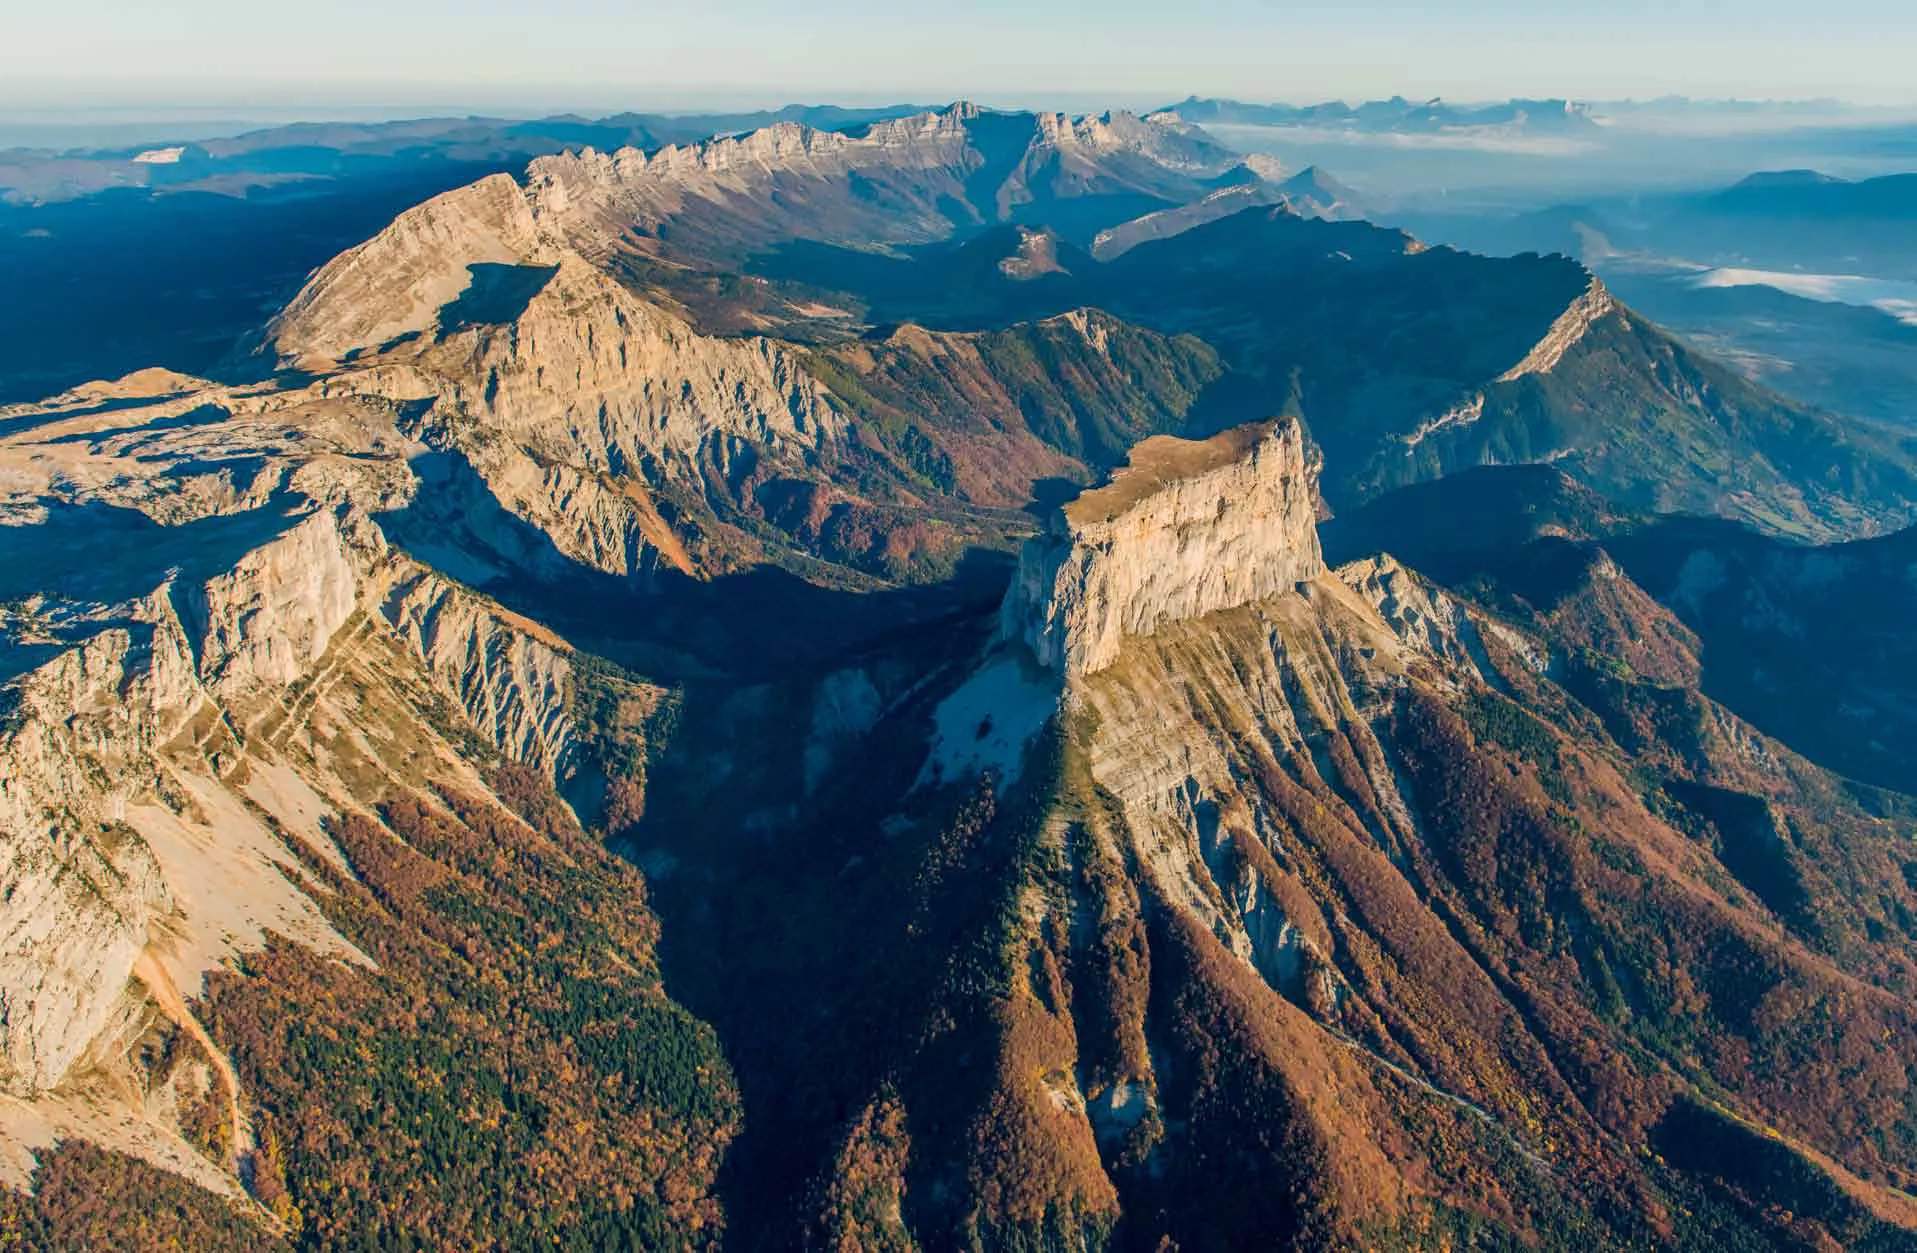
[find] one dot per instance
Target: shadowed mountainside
(531, 764)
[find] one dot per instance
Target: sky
(58, 56)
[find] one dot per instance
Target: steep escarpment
(1339, 881)
(903, 180)
(1314, 781)
(235, 720)
(568, 426)
(1185, 528)
(127, 756)
(86, 890)
(1115, 241)
(512, 677)
(394, 283)
(1187, 893)
(585, 371)
(556, 355)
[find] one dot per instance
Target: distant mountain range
(1398, 116)
(976, 679)
(334, 150)
(1799, 221)
(1807, 280)
(1824, 202)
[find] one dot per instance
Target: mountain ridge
(1436, 408)
(1163, 883)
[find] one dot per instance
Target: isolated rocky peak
(395, 282)
(1186, 528)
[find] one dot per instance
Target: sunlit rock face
(1187, 528)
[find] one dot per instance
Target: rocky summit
(969, 680)
(1184, 528)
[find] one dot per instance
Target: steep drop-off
(1186, 892)
(1334, 881)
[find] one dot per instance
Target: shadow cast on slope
(496, 294)
(1808, 644)
(105, 556)
(110, 554)
(200, 415)
(799, 918)
(758, 624)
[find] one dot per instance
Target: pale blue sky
(603, 54)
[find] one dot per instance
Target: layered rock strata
(1188, 527)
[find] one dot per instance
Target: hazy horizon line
(596, 103)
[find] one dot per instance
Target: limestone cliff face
(467, 302)
(1187, 528)
(721, 196)
(511, 677)
(588, 374)
(394, 283)
(83, 768)
(1240, 699)
(268, 619)
(142, 740)
(1566, 331)
(935, 140)
(724, 186)
(208, 652)
(1569, 327)
(79, 892)
(1116, 241)
(574, 399)
(588, 402)
(493, 326)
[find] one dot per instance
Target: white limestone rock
(1188, 527)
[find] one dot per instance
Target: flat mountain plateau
(970, 680)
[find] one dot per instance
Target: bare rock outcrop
(586, 402)
(511, 677)
(80, 891)
(725, 185)
(83, 891)
(1431, 623)
(1569, 327)
(395, 282)
(1115, 241)
(724, 195)
(141, 739)
(1566, 331)
(268, 619)
(573, 400)
(588, 374)
(1187, 528)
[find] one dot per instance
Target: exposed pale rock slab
(1565, 332)
(512, 679)
(395, 283)
(1187, 528)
